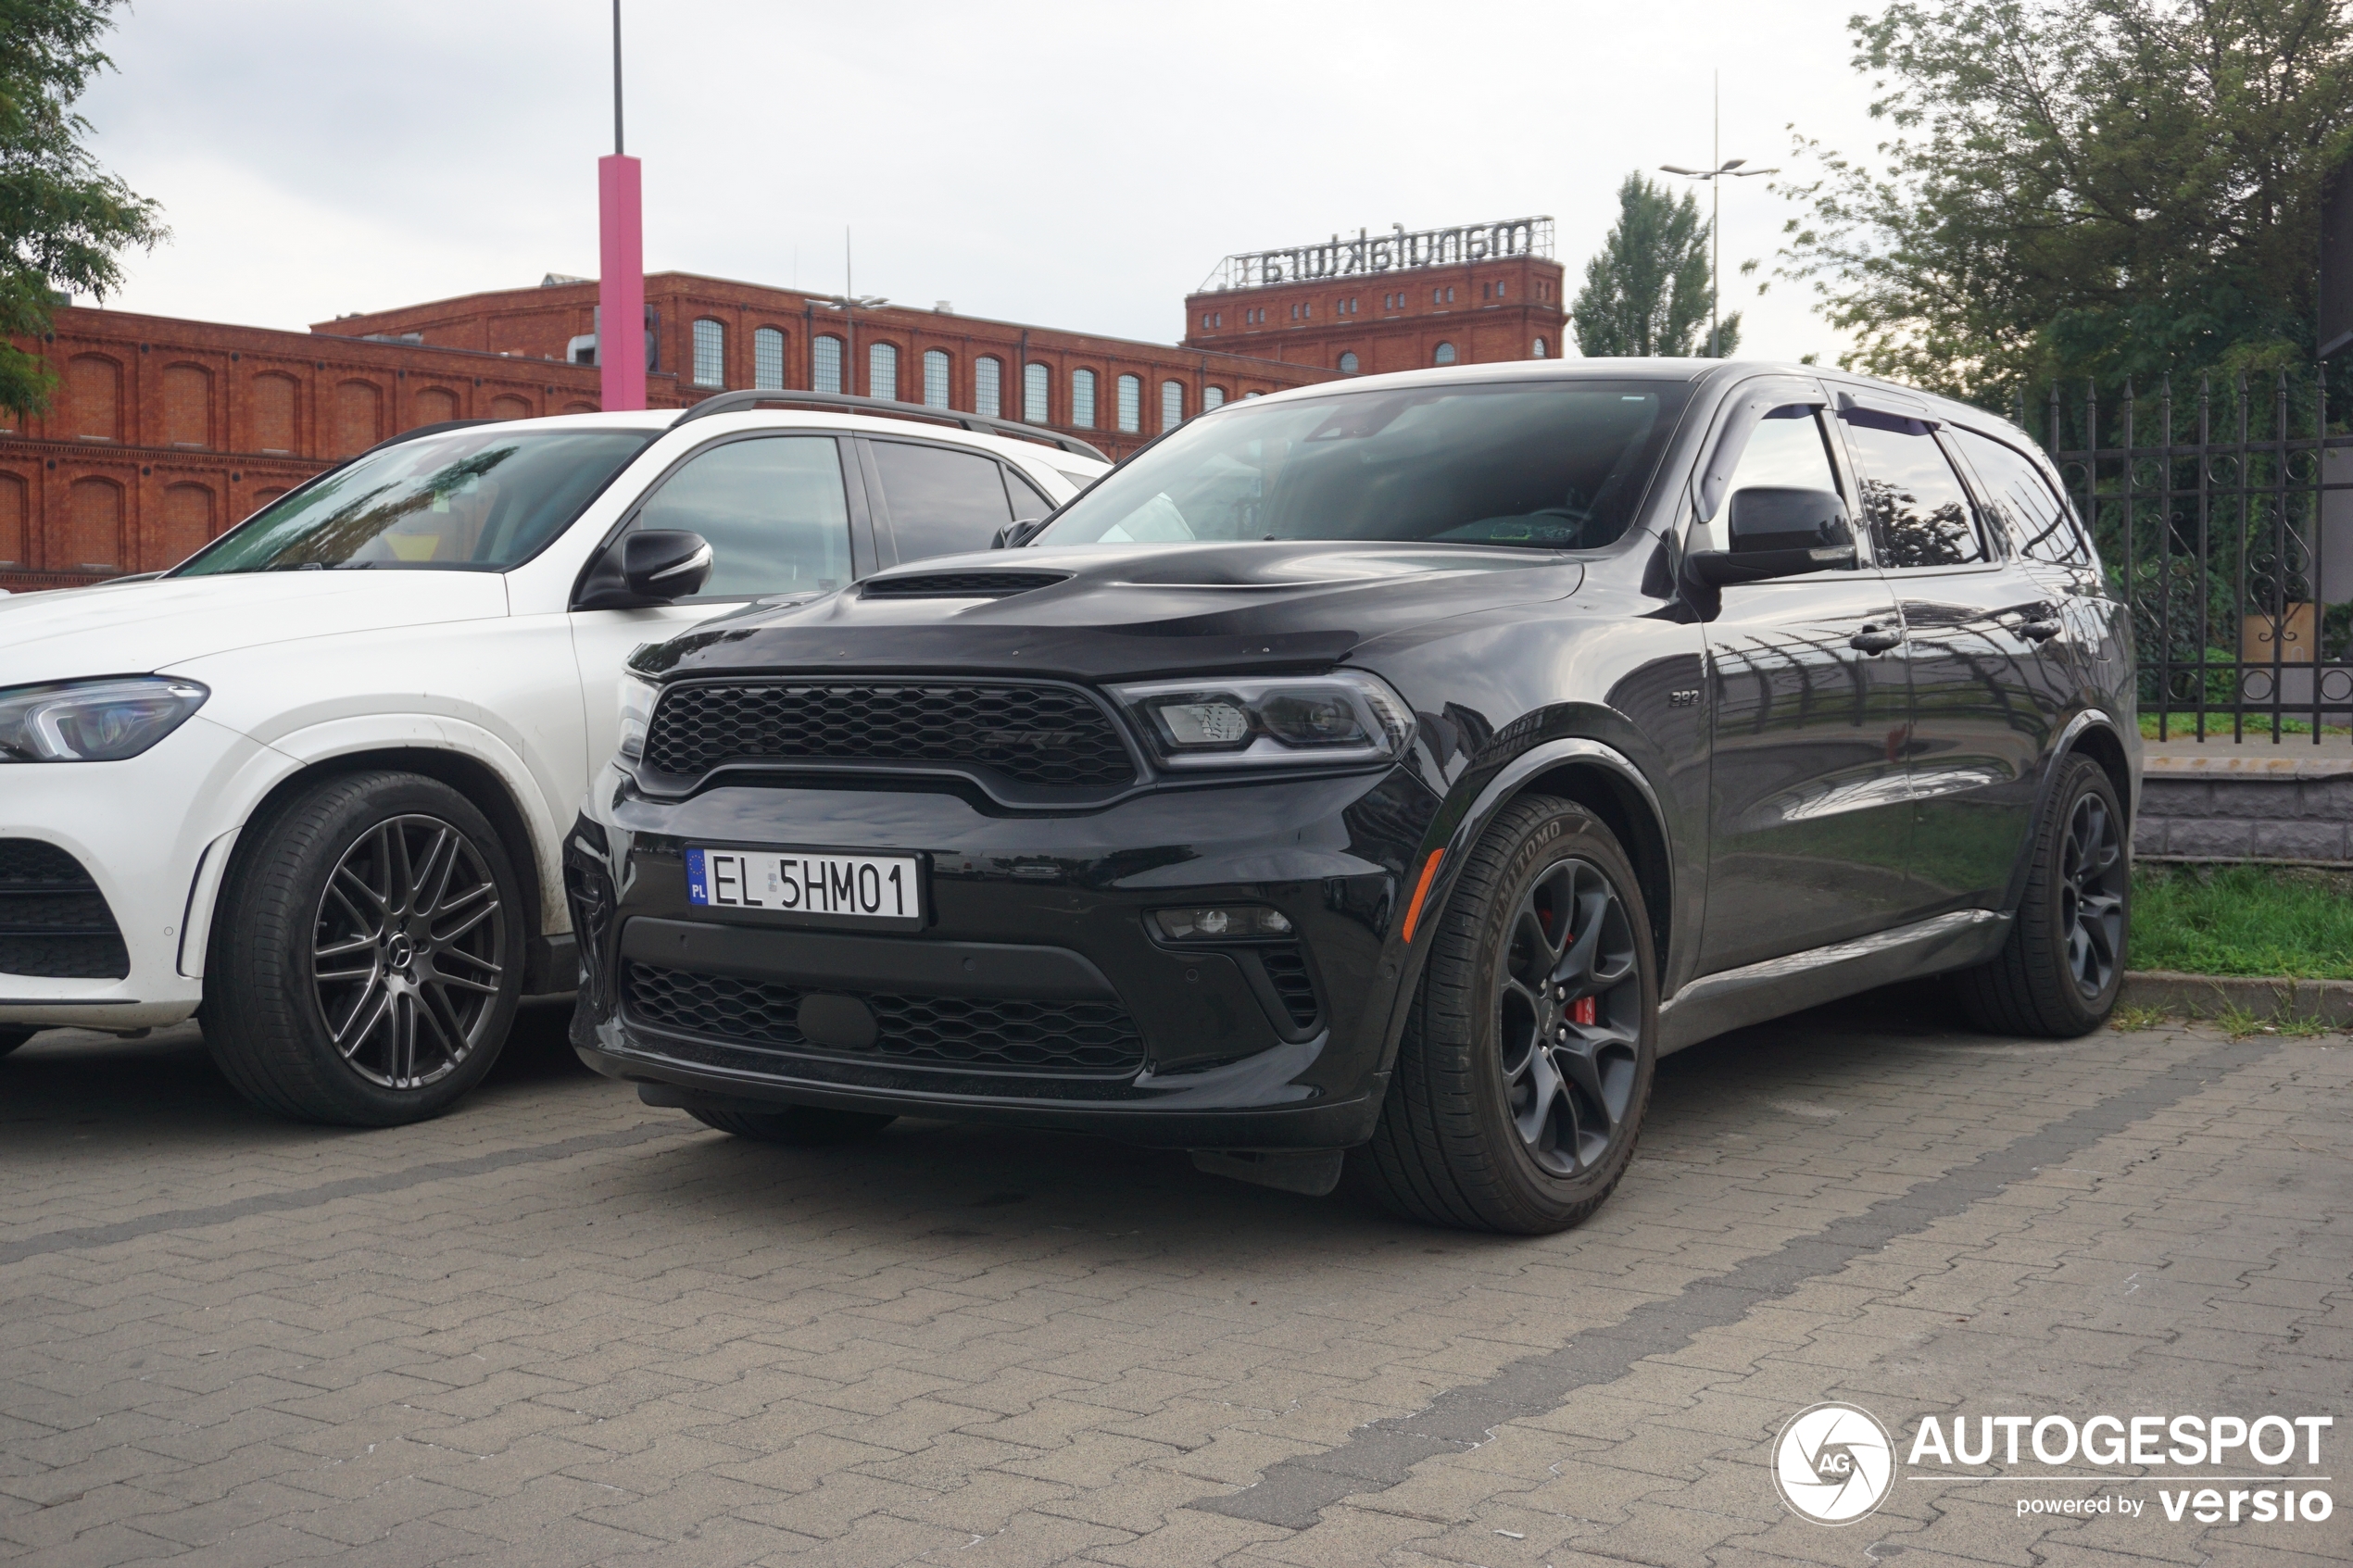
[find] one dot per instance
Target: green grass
(2270, 922)
(2183, 726)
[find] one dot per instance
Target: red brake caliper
(1581, 1010)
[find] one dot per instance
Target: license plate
(877, 888)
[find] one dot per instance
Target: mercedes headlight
(101, 720)
(1346, 717)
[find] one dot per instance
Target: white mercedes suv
(315, 779)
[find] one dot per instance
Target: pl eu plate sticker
(697, 891)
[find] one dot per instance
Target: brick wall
(1396, 320)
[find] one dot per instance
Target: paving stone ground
(559, 1327)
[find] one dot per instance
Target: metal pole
(1715, 221)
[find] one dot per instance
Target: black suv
(1388, 769)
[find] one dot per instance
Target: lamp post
(620, 271)
(850, 303)
(1725, 167)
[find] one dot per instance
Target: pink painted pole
(621, 282)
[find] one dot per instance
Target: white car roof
(1035, 452)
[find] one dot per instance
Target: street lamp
(849, 303)
(1714, 177)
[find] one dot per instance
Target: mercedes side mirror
(1776, 532)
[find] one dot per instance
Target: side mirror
(663, 564)
(1778, 532)
(1013, 536)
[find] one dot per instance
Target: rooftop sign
(1394, 251)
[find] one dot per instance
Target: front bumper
(141, 829)
(1038, 993)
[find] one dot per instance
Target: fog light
(1221, 922)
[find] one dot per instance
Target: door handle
(1870, 639)
(2039, 630)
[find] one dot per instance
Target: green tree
(1646, 289)
(2103, 188)
(63, 219)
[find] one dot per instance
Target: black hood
(1119, 612)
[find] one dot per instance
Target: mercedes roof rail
(735, 402)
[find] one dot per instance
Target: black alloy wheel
(1568, 1019)
(1527, 1063)
(2093, 881)
(409, 950)
(366, 953)
(2061, 966)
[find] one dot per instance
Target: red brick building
(1387, 302)
(165, 432)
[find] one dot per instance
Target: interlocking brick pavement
(560, 1327)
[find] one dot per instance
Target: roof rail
(890, 408)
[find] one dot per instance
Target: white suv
(315, 779)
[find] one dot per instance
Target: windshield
(1556, 465)
(474, 500)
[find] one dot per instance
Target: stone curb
(2205, 996)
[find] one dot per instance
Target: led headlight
(1222, 922)
(1345, 717)
(101, 720)
(637, 708)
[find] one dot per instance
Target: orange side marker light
(1421, 891)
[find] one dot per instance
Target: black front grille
(1287, 967)
(1039, 735)
(961, 584)
(53, 922)
(1090, 1040)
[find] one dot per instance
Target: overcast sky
(1078, 165)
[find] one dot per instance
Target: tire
(803, 1126)
(12, 1038)
(406, 892)
(2058, 973)
(1488, 1126)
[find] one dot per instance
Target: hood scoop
(960, 584)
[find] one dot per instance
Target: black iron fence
(2225, 518)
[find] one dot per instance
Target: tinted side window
(772, 507)
(941, 501)
(1028, 500)
(1919, 514)
(2021, 500)
(1787, 452)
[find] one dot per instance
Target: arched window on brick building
(274, 405)
(711, 353)
(1034, 382)
(507, 406)
(1211, 397)
(828, 367)
(187, 525)
(1348, 363)
(988, 388)
(358, 417)
(1539, 348)
(16, 540)
(94, 526)
(436, 403)
(1445, 354)
(93, 398)
(1082, 400)
(768, 359)
(1131, 403)
(882, 370)
(935, 378)
(187, 406)
(1171, 404)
